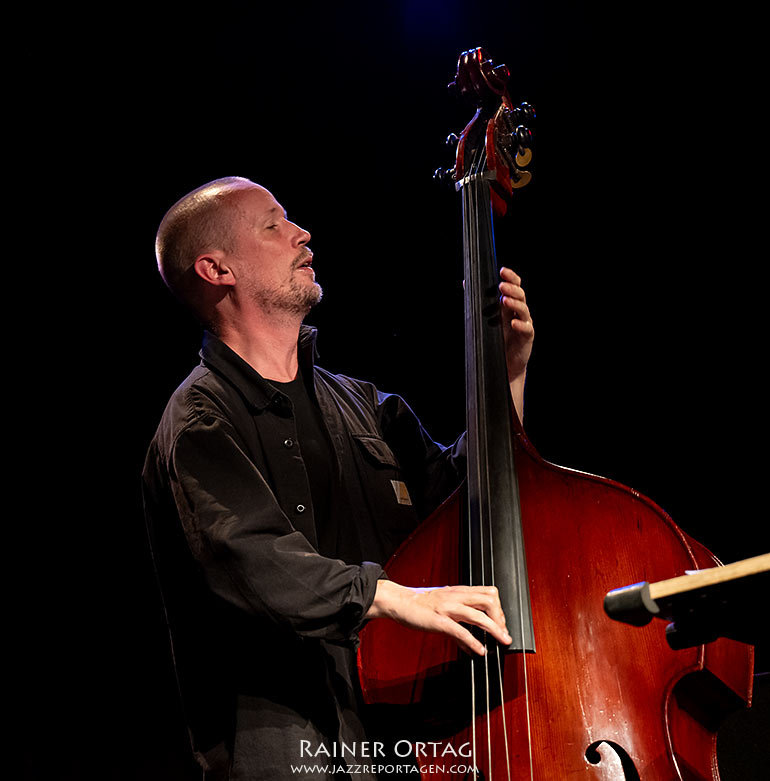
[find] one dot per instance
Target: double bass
(576, 695)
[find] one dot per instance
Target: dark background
(639, 241)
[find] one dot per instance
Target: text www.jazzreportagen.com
(354, 770)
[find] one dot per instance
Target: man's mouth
(304, 261)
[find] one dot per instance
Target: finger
(512, 293)
(509, 275)
(478, 605)
(517, 308)
(486, 598)
(512, 289)
(463, 637)
(469, 615)
(474, 605)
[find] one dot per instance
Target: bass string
(481, 419)
(475, 420)
(476, 425)
(471, 444)
(520, 591)
(472, 192)
(470, 238)
(486, 538)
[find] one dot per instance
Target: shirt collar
(258, 391)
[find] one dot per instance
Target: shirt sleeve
(248, 550)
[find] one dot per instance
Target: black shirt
(335, 528)
(264, 626)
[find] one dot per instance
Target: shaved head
(202, 221)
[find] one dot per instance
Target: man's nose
(301, 236)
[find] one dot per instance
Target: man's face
(273, 261)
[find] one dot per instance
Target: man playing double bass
(274, 493)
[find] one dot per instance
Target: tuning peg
(520, 114)
(444, 175)
(452, 139)
(522, 136)
(527, 112)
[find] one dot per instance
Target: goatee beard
(296, 298)
(308, 297)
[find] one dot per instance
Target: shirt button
(288, 443)
(300, 508)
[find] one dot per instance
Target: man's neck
(269, 347)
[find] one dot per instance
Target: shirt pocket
(385, 493)
(376, 451)
(385, 473)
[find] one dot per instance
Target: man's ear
(212, 267)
